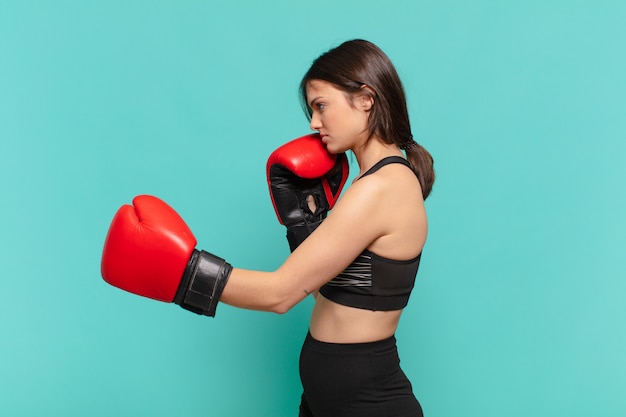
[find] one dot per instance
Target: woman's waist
(336, 323)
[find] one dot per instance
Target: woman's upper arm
(343, 235)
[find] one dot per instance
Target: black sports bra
(373, 282)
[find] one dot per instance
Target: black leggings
(354, 379)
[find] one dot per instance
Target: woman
(349, 365)
(359, 263)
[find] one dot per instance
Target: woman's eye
(320, 106)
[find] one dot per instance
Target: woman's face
(342, 121)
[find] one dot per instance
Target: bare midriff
(336, 323)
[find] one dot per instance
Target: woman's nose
(315, 122)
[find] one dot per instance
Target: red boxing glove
(149, 251)
(298, 170)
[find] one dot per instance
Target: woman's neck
(373, 151)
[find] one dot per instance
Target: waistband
(378, 345)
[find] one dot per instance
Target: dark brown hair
(358, 63)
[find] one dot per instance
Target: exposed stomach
(336, 323)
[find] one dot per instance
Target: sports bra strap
(386, 161)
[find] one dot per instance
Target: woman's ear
(366, 98)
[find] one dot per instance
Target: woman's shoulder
(390, 178)
(380, 194)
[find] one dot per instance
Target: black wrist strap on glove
(203, 282)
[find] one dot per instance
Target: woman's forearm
(263, 291)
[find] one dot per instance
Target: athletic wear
(354, 380)
(373, 282)
(361, 379)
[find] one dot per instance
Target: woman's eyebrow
(313, 100)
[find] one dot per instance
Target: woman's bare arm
(347, 231)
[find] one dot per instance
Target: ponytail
(421, 162)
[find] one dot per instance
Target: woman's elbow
(285, 295)
(282, 306)
(280, 309)
(284, 301)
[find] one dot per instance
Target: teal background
(519, 308)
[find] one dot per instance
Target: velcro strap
(203, 283)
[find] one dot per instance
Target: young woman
(360, 263)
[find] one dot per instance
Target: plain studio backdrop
(520, 305)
